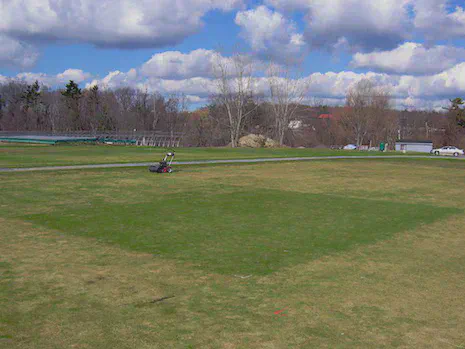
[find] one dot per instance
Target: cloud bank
(108, 23)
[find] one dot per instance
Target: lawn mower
(164, 166)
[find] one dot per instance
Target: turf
(354, 254)
(237, 231)
(46, 155)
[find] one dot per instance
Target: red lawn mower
(163, 166)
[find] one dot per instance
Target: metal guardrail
(141, 138)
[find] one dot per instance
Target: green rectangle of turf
(246, 232)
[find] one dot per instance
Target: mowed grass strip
(256, 231)
(20, 155)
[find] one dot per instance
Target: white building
(295, 124)
(414, 146)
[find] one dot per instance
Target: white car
(350, 147)
(452, 151)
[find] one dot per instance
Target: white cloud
(73, 74)
(271, 35)
(449, 83)
(439, 19)
(196, 99)
(14, 53)
(178, 65)
(175, 65)
(411, 58)
(200, 87)
(58, 80)
(289, 5)
(424, 89)
(116, 79)
(407, 90)
(108, 23)
(196, 86)
(336, 85)
(421, 92)
(422, 104)
(363, 25)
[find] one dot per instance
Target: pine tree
(32, 106)
(72, 96)
(2, 105)
(458, 111)
(31, 96)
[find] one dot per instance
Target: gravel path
(230, 161)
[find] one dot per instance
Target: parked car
(350, 147)
(452, 151)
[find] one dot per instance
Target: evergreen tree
(2, 105)
(31, 97)
(99, 110)
(458, 111)
(72, 96)
(32, 106)
(72, 90)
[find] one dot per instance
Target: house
(295, 124)
(414, 146)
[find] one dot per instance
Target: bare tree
(365, 102)
(12, 110)
(385, 127)
(199, 131)
(175, 117)
(124, 110)
(158, 109)
(287, 91)
(143, 109)
(235, 90)
(233, 112)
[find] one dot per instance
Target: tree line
(34, 107)
(235, 109)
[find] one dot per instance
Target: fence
(141, 138)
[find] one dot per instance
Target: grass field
(347, 254)
(14, 155)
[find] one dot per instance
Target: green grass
(356, 254)
(44, 155)
(240, 232)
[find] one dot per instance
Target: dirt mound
(271, 143)
(252, 141)
(257, 141)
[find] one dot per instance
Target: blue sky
(415, 48)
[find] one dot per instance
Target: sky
(413, 48)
